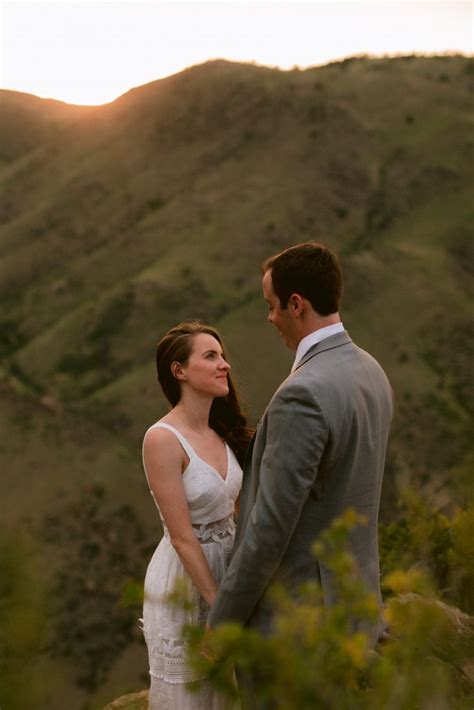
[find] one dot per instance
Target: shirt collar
(309, 340)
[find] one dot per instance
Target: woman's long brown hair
(226, 416)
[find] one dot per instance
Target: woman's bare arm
(163, 457)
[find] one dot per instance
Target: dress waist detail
(210, 532)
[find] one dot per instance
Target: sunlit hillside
(118, 221)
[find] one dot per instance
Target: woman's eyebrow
(206, 352)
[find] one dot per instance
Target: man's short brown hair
(312, 270)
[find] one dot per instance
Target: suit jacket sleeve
(296, 437)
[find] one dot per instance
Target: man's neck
(316, 336)
(315, 322)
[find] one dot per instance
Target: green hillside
(120, 220)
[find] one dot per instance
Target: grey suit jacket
(318, 449)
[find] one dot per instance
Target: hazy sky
(91, 52)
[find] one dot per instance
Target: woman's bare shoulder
(162, 443)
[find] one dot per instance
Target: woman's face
(206, 369)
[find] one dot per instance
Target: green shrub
(94, 600)
(442, 546)
(11, 337)
(317, 659)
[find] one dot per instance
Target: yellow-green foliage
(317, 659)
(436, 543)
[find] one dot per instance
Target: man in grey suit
(318, 449)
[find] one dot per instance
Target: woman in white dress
(192, 459)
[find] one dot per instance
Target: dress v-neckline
(212, 468)
(206, 463)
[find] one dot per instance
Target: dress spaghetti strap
(191, 454)
(188, 449)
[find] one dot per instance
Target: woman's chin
(223, 391)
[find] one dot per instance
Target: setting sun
(91, 52)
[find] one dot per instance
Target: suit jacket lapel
(334, 341)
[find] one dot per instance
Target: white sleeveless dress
(211, 502)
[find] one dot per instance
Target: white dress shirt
(309, 340)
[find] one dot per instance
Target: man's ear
(295, 304)
(177, 371)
